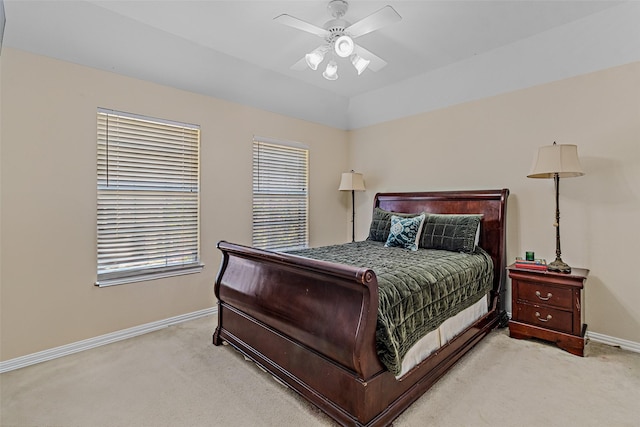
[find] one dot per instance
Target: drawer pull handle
(549, 295)
(549, 317)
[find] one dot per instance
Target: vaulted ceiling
(439, 54)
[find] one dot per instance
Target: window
(148, 198)
(280, 195)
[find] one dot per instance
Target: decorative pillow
(381, 223)
(405, 232)
(455, 233)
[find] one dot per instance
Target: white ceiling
(234, 50)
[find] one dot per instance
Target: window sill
(148, 276)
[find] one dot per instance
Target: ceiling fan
(338, 35)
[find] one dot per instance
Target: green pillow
(455, 233)
(405, 232)
(381, 223)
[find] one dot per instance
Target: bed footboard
(328, 308)
(310, 323)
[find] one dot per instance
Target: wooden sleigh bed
(312, 324)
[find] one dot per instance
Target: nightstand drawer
(538, 293)
(545, 317)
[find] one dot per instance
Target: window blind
(148, 198)
(280, 195)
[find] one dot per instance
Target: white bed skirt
(445, 333)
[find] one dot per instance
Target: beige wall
(491, 144)
(48, 194)
(48, 198)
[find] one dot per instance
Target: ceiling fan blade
(383, 17)
(376, 63)
(301, 25)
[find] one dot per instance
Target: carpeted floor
(176, 377)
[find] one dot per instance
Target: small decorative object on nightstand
(548, 306)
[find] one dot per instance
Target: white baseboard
(54, 353)
(617, 342)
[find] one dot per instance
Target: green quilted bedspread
(418, 290)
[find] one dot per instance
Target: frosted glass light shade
(331, 72)
(314, 58)
(359, 63)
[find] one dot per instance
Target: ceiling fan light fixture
(344, 46)
(314, 58)
(331, 72)
(338, 35)
(359, 63)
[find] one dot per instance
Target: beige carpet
(176, 377)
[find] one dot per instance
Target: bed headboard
(492, 204)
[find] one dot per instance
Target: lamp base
(559, 266)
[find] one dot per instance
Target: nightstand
(548, 306)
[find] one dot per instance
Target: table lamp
(557, 161)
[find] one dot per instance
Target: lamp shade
(359, 63)
(561, 159)
(351, 181)
(314, 59)
(331, 72)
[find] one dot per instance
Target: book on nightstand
(538, 264)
